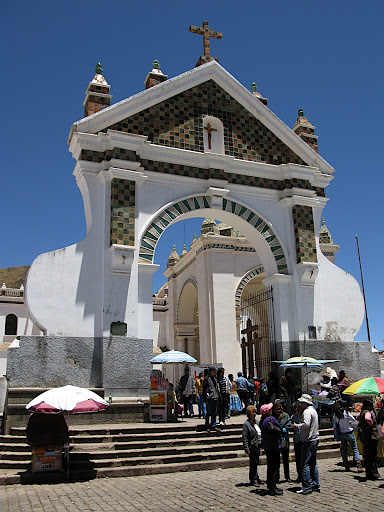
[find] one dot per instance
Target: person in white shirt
(343, 421)
(309, 432)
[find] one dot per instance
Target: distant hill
(13, 277)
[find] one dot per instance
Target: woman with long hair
(271, 433)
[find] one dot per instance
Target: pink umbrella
(67, 398)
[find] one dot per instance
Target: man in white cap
(309, 432)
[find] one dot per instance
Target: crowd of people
(219, 396)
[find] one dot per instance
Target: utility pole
(362, 283)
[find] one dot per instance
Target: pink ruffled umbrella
(67, 398)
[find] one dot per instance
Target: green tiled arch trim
(243, 283)
(169, 214)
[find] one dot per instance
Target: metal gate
(258, 342)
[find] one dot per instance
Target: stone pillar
(97, 95)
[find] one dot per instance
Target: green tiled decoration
(243, 283)
(122, 212)
(304, 234)
(178, 122)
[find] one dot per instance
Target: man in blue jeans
(211, 397)
(309, 432)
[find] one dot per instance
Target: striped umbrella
(368, 386)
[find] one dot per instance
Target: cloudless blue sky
(324, 57)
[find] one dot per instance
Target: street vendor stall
(47, 430)
(162, 396)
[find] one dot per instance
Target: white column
(145, 307)
(284, 306)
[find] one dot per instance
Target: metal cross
(206, 33)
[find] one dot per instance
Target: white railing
(159, 302)
(11, 294)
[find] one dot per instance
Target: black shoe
(304, 491)
(277, 492)
(298, 480)
(316, 489)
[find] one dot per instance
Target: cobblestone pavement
(196, 491)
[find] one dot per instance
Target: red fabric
(89, 405)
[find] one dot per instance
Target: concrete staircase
(131, 450)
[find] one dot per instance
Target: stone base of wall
(116, 363)
(357, 358)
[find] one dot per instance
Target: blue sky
(323, 57)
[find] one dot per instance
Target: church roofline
(210, 71)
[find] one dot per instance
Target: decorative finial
(174, 247)
(254, 87)
(156, 64)
(98, 69)
(322, 221)
(194, 236)
(301, 113)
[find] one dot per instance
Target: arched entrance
(205, 283)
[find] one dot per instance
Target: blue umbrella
(173, 356)
(308, 362)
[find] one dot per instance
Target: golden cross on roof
(206, 33)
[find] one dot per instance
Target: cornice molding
(148, 151)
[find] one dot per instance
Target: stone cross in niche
(209, 130)
(206, 33)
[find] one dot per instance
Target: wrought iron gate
(258, 342)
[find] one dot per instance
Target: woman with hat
(309, 432)
(271, 432)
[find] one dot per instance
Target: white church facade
(197, 145)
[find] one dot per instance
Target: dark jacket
(366, 431)
(287, 385)
(251, 439)
(271, 441)
(210, 389)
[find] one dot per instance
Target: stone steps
(139, 449)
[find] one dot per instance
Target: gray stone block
(52, 361)
(357, 358)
